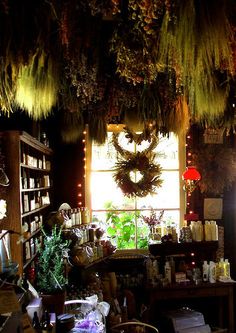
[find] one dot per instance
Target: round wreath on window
(141, 163)
(217, 166)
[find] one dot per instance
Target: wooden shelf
(29, 261)
(35, 210)
(34, 168)
(34, 143)
(19, 146)
(33, 234)
(36, 189)
(170, 248)
(93, 263)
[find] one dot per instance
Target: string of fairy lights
(80, 184)
(188, 163)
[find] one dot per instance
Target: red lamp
(190, 176)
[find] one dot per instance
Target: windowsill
(130, 253)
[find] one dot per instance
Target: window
(122, 216)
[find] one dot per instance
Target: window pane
(167, 195)
(167, 152)
(120, 215)
(103, 156)
(104, 189)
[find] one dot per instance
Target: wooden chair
(133, 327)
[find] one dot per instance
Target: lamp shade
(191, 173)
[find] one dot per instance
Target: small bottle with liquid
(221, 268)
(227, 268)
(212, 272)
(205, 271)
(168, 271)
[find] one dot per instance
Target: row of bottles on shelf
(32, 225)
(92, 288)
(162, 233)
(29, 182)
(30, 247)
(36, 162)
(216, 271)
(34, 200)
(90, 252)
(183, 273)
(129, 280)
(75, 216)
(43, 324)
(199, 231)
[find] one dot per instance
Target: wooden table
(223, 292)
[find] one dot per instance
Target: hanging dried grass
(7, 86)
(215, 35)
(97, 127)
(208, 100)
(149, 107)
(72, 126)
(178, 121)
(196, 40)
(37, 86)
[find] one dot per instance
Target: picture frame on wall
(213, 208)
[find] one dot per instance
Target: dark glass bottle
(36, 323)
(46, 326)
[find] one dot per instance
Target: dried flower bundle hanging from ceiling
(168, 49)
(37, 86)
(195, 40)
(73, 126)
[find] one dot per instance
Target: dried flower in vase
(153, 219)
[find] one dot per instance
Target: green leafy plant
(50, 268)
(121, 228)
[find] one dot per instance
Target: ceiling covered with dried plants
(169, 63)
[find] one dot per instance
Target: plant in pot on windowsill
(51, 280)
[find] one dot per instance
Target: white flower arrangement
(3, 208)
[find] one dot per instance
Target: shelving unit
(204, 250)
(28, 166)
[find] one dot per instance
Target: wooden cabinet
(28, 166)
(220, 295)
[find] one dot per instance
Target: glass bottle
(46, 326)
(36, 323)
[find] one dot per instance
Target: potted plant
(51, 280)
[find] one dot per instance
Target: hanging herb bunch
(104, 8)
(135, 41)
(133, 58)
(217, 166)
(83, 77)
(146, 15)
(80, 37)
(142, 162)
(122, 98)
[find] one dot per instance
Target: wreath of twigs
(140, 161)
(137, 138)
(217, 165)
